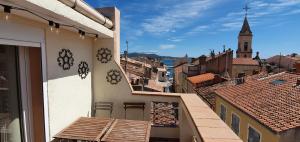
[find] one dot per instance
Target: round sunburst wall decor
(83, 69)
(104, 55)
(113, 77)
(65, 59)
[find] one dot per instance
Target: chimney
(202, 60)
(240, 79)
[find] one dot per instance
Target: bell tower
(245, 39)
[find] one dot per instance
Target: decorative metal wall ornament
(113, 77)
(104, 55)
(83, 69)
(164, 114)
(65, 59)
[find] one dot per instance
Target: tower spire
(246, 8)
(246, 27)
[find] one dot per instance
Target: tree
(154, 69)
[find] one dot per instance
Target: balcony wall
(196, 119)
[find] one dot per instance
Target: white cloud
(296, 11)
(259, 11)
(177, 16)
(197, 29)
(167, 46)
(176, 39)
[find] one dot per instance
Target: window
(253, 135)
(223, 113)
(235, 123)
(278, 82)
(246, 46)
(10, 119)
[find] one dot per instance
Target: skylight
(278, 82)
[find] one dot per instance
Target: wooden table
(128, 130)
(106, 130)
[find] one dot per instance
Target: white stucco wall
(69, 96)
(122, 92)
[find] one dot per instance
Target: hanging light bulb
(51, 24)
(80, 33)
(83, 35)
(96, 37)
(7, 11)
(57, 27)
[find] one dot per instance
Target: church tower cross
(246, 8)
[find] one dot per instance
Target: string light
(52, 24)
(80, 33)
(7, 10)
(83, 35)
(57, 27)
(96, 37)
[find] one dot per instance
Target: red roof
(244, 61)
(207, 92)
(274, 100)
(201, 78)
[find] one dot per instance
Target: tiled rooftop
(244, 61)
(201, 78)
(207, 92)
(274, 101)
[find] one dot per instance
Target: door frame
(25, 85)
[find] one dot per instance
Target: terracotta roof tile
(201, 78)
(244, 61)
(273, 101)
(207, 92)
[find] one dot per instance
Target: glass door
(10, 104)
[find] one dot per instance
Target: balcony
(180, 117)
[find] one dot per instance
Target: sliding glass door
(10, 102)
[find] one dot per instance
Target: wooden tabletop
(128, 131)
(108, 130)
(88, 129)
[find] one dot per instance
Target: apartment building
(262, 109)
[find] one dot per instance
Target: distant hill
(135, 54)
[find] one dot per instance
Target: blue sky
(177, 27)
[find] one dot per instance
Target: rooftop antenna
(279, 64)
(246, 8)
(126, 56)
(226, 74)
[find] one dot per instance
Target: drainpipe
(83, 8)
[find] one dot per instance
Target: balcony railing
(183, 117)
